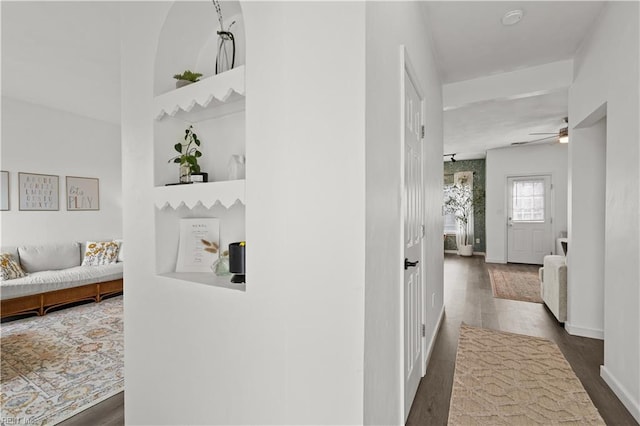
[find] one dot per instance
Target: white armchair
(553, 285)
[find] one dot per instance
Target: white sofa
(54, 278)
(553, 285)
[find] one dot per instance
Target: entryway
(529, 222)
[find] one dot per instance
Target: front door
(528, 219)
(413, 239)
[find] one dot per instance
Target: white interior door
(528, 219)
(413, 239)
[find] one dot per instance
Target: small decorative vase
(236, 167)
(226, 58)
(182, 83)
(221, 266)
(185, 173)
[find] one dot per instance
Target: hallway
(468, 297)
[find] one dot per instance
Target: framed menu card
(199, 244)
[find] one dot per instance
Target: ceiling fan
(562, 135)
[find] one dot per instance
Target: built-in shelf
(216, 95)
(226, 192)
(205, 278)
(215, 106)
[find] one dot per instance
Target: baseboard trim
(621, 392)
(475, 253)
(488, 260)
(432, 341)
(584, 331)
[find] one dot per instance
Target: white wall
(289, 350)
(585, 256)
(606, 71)
(38, 139)
(390, 25)
(547, 159)
(63, 55)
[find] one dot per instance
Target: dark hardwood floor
(109, 412)
(468, 298)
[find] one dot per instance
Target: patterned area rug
(510, 379)
(515, 282)
(62, 363)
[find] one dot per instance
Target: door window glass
(528, 200)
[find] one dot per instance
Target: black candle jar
(236, 262)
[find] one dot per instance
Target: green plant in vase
(186, 77)
(189, 154)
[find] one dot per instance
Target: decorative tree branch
(458, 200)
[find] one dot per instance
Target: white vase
(465, 250)
(182, 83)
(236, 167)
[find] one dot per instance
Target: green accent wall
(479, 181)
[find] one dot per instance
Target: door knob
(408, 264)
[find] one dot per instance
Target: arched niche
(188, 40)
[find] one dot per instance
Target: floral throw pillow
(100, 253)
(9, 268)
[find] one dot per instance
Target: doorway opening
(529, 221)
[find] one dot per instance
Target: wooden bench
(41, 303)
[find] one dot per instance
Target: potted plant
(186, 77)
(458, 200)
(189, 154)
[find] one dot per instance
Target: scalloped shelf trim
(191, 205)
(225, 193)
(211, 90)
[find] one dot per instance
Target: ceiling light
(512, 17)
(563, 136)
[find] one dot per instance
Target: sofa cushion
(12, 250)
(49, 257)
(9, 267)
(120, 250)
(100, 253)
(554, 285)
(43, 281)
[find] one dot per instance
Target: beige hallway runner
(510, 379)
(515, 282)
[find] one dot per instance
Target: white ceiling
(470, 131)
(64, 55)
(471, 42)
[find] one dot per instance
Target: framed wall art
(4, 190)
(83, 193)
(38, 192)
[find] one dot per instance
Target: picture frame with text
(83, 193)
(38, 192)
(4, 191)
